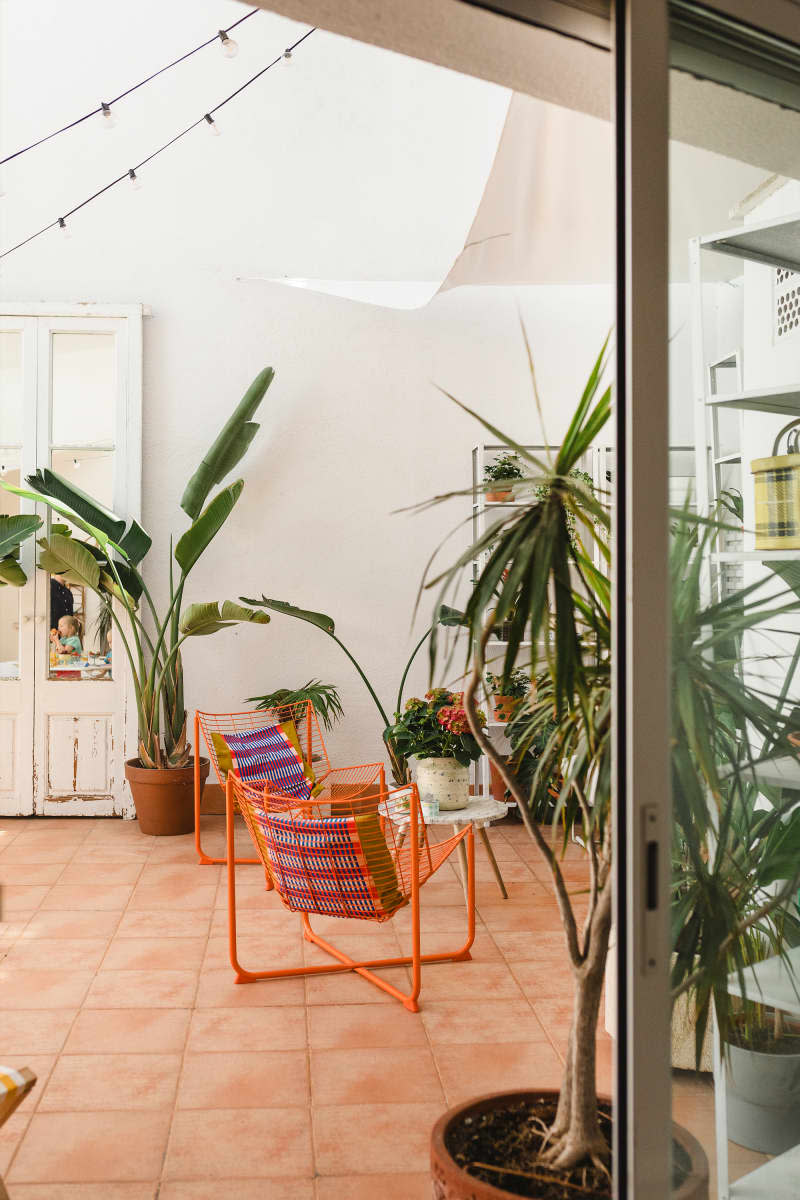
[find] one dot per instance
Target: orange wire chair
(365, 862)
(340, 784)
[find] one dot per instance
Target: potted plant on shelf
(499, 476)
(543, 576)
(108, 561)
(507, 694)
(435, 732)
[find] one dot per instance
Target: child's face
(65, 629)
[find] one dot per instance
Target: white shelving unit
(483, 511)
(772, 244)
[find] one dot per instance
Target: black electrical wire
(128, 91)
(127, 174)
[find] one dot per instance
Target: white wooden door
(17, 605)
(75, 727)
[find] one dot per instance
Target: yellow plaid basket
(777, 494)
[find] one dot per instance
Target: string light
(62, 225)
(230, 48)
(206, 119)
(75, 464)
(102, 108)
(109, 119)
(287, 55)
(136, 182)
(212, 124)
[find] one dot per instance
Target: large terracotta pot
(451, 1182)
(164, 798)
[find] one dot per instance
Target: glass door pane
(735, 396)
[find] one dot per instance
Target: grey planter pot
(763, 1100)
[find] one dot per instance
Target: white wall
(353, 163)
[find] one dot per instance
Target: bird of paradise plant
(109, 561)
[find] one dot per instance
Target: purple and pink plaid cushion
(270, 754)
(319, 865)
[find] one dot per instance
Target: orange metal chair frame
(417, 843)
(350, 780)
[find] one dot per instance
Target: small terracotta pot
(163, 796)
(499, 497)
(451, 1182)
(496, 784)
(504, 707)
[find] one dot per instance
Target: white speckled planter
(443, 781)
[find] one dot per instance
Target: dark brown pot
(450, 1182)
(164, 797)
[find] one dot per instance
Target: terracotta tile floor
(160, 1077)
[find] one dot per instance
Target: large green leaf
(229, 448)
(198, 620)
(136, 543)
(15, 529)
(78, 564)
(445, 615)
(11, 572)
(49, 483)
(207, 526)
(321, 620)
(94, 531)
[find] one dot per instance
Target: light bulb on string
(136, 182)
(75, 465)
(287, 55)
(3, 469)
(230, 48)
(64, 227)
(212, 124)
(109, 118)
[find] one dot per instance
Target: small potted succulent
(503, 470)
(508, 692)
(436, 733)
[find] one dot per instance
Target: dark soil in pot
(164, 797)
(488, 1150)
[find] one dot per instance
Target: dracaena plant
(544, 576)
(736, 845)
(109, 557)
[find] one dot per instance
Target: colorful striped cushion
(271, 754)
(322, 864)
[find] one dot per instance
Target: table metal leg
(488, 846)
(462, 855)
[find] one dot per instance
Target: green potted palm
(323, 697)
(546, 573)
(736, 855)
(108, 559)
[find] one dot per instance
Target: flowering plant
(436, 727)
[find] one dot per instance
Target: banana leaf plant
(109, 560)
(445, 615)
(14, 530)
